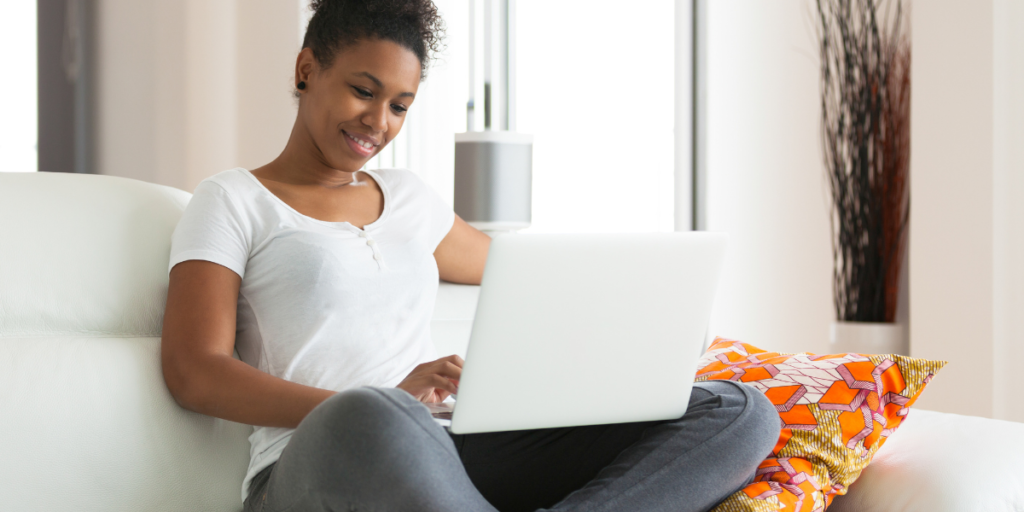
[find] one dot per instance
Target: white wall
(766, 188)
(1008, 209)
(766, 183)
(129, 56)
(951, 185)
(269, 38)
(966, 173)
(188, 89)
(211, 110)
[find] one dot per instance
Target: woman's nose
(377, 118)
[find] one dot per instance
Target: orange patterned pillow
(836, 411)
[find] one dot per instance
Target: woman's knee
(765, 423)
(357, 446)
(756, 419)
(365, 430)
(363, 414)
(353, 403)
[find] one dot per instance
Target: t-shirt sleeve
(212, 228)
(441, 217)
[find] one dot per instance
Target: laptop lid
(583, 329)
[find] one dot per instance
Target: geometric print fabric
(835, 410)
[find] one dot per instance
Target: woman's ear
(305, 66)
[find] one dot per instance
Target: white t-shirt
(324, 304)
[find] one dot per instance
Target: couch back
(85, 417)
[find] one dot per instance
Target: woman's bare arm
(462, 253)
(198, 340)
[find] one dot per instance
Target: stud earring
(301, 86)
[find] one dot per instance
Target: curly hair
(413, 24)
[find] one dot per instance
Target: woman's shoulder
(233, 181)
(403, 182)
(234, 192)
(237, 187)
(397, 176)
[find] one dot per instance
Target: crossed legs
(377, 449)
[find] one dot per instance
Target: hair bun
(414, 24)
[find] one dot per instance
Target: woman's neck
(302, 163)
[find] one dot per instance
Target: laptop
(586, 329)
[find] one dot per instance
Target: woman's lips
(357, 145)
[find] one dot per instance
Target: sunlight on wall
(765, 181)
(18, 121)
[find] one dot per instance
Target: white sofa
(88, 425)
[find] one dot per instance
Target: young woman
(323, 278)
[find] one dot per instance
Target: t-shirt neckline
(376, 177)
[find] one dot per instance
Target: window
(18, 124)
(595, 87)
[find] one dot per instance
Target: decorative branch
(865, 121)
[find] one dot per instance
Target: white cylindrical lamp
(494, 179)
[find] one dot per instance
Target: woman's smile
(363, 145)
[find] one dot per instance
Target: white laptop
(585, 329)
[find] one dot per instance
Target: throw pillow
(836, 411)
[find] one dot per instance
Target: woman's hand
(432, 382)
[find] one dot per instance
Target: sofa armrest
(939, 462)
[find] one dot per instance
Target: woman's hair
(414, 24)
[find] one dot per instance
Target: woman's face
(354, 108)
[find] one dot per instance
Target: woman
(323, 278)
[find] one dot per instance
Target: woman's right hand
(432, 382)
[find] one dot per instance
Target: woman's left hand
(432, 382)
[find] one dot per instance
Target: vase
(869, 338)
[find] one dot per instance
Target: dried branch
(865, 120)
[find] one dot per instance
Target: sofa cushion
(939, 462)
(88, 425)
(84, 254)
(85, 417)
(835, 410)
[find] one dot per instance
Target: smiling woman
(323, 276)
(320, 275)
(353, 108)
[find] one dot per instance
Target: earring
(301, 86)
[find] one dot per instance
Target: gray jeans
(376, 449)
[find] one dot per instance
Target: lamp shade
(493, 179)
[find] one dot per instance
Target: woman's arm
(198, 340)
(462, 253)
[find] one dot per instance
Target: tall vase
(869, 338)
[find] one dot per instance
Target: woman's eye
(398, 108)
(363, 92)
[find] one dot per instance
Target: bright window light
(18, 121)
(595, 88)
